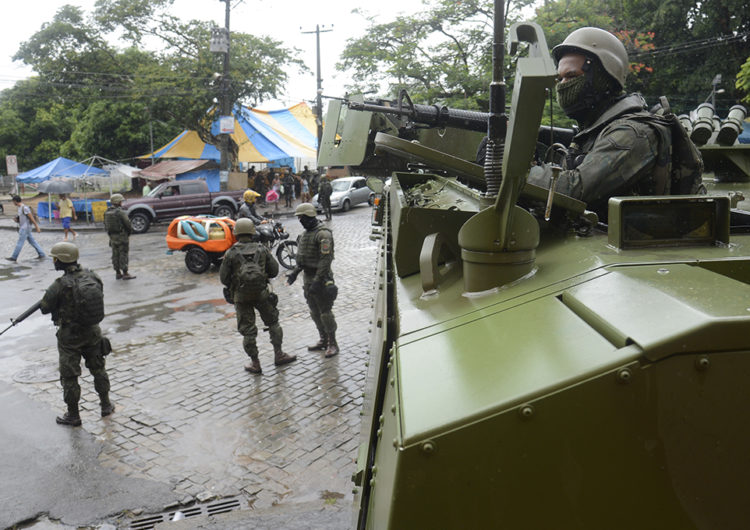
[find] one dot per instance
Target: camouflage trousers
(269, 314)
(321, 310)
(120, 250)
(72, 344)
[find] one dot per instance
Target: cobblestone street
(188, 415)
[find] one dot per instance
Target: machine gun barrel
(23, 316)
(469, 120)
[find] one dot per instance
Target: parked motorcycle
(272, 234)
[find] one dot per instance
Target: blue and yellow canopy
(261, 136)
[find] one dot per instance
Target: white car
(347, 192)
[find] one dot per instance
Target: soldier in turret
(619, 150)
(76, 302)
(314, 258)
(118, 227)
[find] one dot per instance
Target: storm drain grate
(214, 508)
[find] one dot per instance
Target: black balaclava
(308, 222)
(60, 266)
(585, 97)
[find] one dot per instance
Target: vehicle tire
(371, 199)
(140, 222)
(286, 253)
(197, 260)
(224, 210)
(345, 206)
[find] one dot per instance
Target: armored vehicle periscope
(531, 368)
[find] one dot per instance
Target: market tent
(182, 170)
(59, 167)
(261, 136)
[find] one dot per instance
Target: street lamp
(712, 96)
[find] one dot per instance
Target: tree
(104, 98)
(440, 55)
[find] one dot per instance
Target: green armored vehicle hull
(530, 368)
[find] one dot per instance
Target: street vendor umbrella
(56, 186)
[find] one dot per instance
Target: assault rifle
(23, 316)
(415, 115)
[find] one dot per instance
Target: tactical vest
(112, 222)
(308, 249)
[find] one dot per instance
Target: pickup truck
(180, 197)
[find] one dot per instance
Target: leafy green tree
(440, 55)
(104, 98)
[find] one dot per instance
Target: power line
(691, 46)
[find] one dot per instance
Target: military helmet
(602, 45)
(65, 252)
(244, 226)
(250, 196)
(117, 198)
(306, 209)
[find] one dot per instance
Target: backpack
(85, 302)
(251, 279)
(686, 169)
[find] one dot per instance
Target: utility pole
(318, 97)
(220, 44)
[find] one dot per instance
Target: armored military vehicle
(531, 367)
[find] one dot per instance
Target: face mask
(569, 93)
(308, 222)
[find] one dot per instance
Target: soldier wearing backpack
(245, 271)
(622, 149)
(76, 302)
(118, 227)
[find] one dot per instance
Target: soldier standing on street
(324, 196)
(76, 301)
(118, 227)
(245, 271)
(314, 257)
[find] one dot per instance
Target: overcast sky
(283, 20)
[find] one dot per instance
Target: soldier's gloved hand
(292, 277)
(332, 290)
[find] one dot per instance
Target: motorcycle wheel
(286, 253)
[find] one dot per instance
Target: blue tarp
(59, 167)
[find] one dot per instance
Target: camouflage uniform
(324, 197)
(314, 258)
(118, 227)
(266, 303)
(75, 341)
(616, 155)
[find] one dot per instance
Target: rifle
(442, 116)
(23, 316)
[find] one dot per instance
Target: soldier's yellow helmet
(244, 226)
(117, 198)
(250, 196)
(306, 209)
(602, 45)
(65, 252)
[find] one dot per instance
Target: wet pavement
(190, 423)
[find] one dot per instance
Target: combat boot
(71, 417)
(254, 366)
(320, 346)
(118, 275)
(107, 408)
(281, 358)
(333, 348)
(127, 276)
